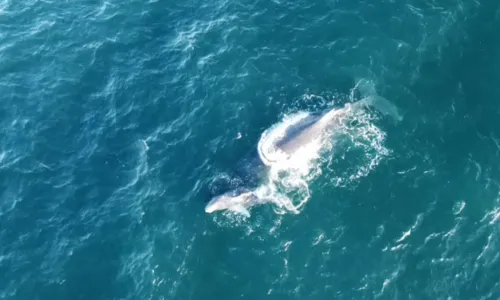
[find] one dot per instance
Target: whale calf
(252, 169)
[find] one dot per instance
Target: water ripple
(115, 116)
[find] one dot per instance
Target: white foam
(288, 175)
(412, 228)
(287, 185)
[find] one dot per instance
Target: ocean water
(118, 118)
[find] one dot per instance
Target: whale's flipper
(241, 210)
(372, 98)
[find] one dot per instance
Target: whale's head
(232, 200)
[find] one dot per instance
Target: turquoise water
(118, 117)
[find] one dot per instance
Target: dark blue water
(117, 117)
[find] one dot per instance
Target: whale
(252, 169)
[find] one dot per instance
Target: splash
(350, 149)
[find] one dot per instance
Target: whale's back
(250, 168)
(296, 129)
(305, 131)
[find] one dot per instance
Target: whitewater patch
(349, 150)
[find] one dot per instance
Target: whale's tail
(370, 97)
